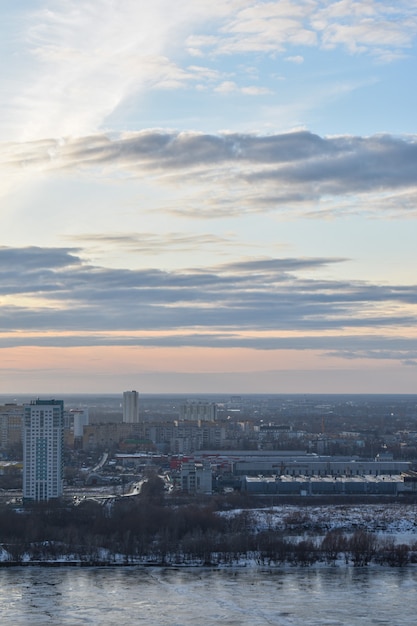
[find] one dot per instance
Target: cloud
(349, 347)
(51, 297)
(298, 59)
(16, 260)
(229, 86)
(252, 173)
(78, 63)
(361, 27)
(155, 243)
(406, 357)
(75, 65)
(254, 90)
(367, 27)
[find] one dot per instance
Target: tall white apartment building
(43, 432)
(131, 407)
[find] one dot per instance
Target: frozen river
(192, 597)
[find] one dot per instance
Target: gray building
(327, 485)
(130, 407)
(198, 411)
(196, 477)
(315, 465)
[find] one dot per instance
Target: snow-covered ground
(393, 519)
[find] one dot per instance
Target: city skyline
(203, 198)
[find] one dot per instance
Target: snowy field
(390, 519)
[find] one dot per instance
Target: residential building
(195, 411)
(131, 407)
(11, 417)
(110, 435)
(43, 431)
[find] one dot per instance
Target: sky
(208, 197)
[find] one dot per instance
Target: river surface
(330, 596)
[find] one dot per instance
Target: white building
(131, 407)
(43, 432)
(79, 419)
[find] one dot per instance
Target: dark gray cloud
(33, 257)
(264, 171)
(220, 306)
(347, 346)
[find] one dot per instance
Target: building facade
(11, 417)
(110, 435)
(198, 411)
(131, 407)
(43, 432)
(196, 477)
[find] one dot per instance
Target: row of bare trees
(144, 529)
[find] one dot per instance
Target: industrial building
(329, 485)
(298, 463)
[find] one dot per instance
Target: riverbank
(144, 533)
